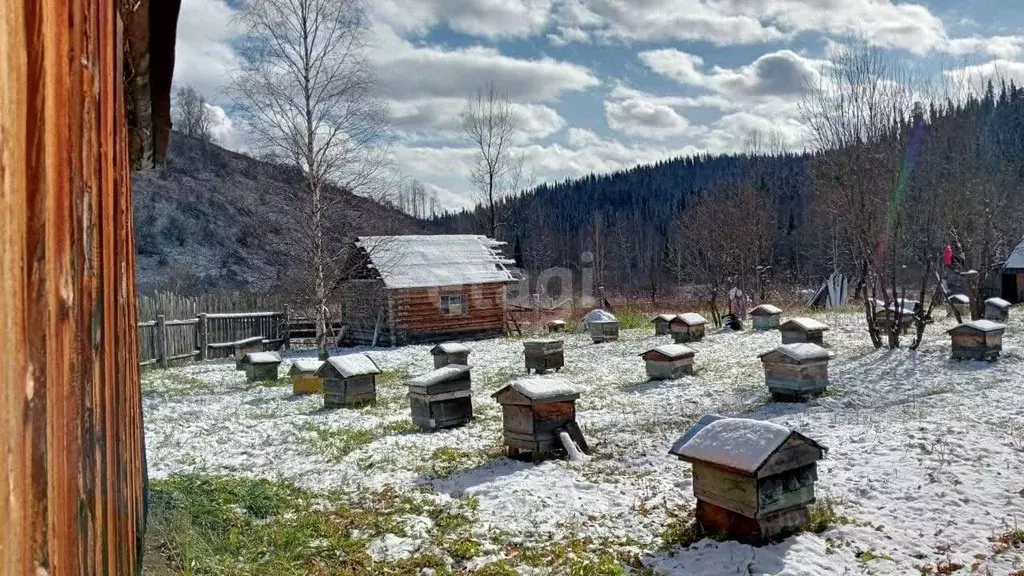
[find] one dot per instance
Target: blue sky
(602, 85)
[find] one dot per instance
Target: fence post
(204, 337)
(287, 327)
(161, 340)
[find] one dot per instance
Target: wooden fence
(175, 307)
(208, 336)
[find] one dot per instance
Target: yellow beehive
(304, 378)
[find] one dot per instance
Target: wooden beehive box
(261, 366)
(796, 371)
(556, 326)
(669, 362)
(534, 412)
(243, 347)
(886, 315)
(604, 331)
(304, 378)
(766, 317)
(661, 324)
(688, 327)
(796, 330)
(442, 398)
(977, 340)
(450, 353)
(543, 355)
(753, 480)
(997, 310)
(961, 303)
(349, 380)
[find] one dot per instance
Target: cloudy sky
(606, 84)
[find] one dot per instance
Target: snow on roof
(737, 443)
(809, 324)
(305, 365)
(449, 348)
(960, 299)
(542, 388)
(801, 351)
(905, 304)
(665, 317)
(556, 323)
(700, 425)
(1016, 259)
(998, 303)
(541, 341)
(442, 374)
(262, 358)
(673, 350)
(598, 315)
(766, 309)
(981, 326)
(442, 260)
(351, 365)
(692, 319)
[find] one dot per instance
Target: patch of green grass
(445, 462)
(337, 443)
(869, 555)
(502, 567)
(823, 515)
(392, 377)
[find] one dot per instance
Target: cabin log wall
(416, 313)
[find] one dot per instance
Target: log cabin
(442, 398)
(450, 353)
(766, 317)
(534, 413)
(304, 378)
(261, 366)
(688, 327)
(349, 380)
(669, 362)
(417, 289)
(795, 371)
(753, 480)
(997, 310)
(1011, 282)
(796, 330)
(977, 340)
(85, 99)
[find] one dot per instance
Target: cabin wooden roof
(998, 303)
(305, 366)
(978, 326)
(800, 352)
(738, 444)
(671, 351)
(805, 324)
(449, 348)
(439, 375)
(350, 365)
(418, 261)
(766, 310)
(539, 390)
(691, 319)
(262, 358)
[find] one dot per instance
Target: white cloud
(482, 18)
(782, 73)
(568, 35)
(438, 119)
(204, 58)
(646, 118)
(1005, 47)
(976, 77)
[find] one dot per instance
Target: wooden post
(536, 311)
(287, 327)
(203, 332)
(161, 340)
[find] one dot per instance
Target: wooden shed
(304, 378)
(261, 366)
(1011, 281)
(450, 353)
(414, 289)
(795, 371)
(661, 324)
(766, 317)
(556, 326)
(997, 310)
(543, 354)
(535, 411)
(442, 398)
(349, 380)
(961, 303)
(669, 362)
(796, 330)
(753, 480)
(242, 347)
(977, 340)
(688, 327)
(85, 98)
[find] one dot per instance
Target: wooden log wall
(71, 483)
(416, 313)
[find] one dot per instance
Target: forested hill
(796, 210)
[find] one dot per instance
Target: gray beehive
(766, 317)
(349, 380)
(795, 371)
(669, 362)
(753, 480)
(261, 366)
(243, 347)
(661, 324)
(961, 303)
(997, 310)
(441, 398)
(602, 326)
(556, 326)
(977, 340)
(688, 327)
(543, 355)
(796, 330)
(450, 353)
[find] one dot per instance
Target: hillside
(202, 221)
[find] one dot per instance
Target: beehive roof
(673, 351)
(556, 323)
(809, 324)
(419, 261)
(351, 365)
(801, 352)
(305, 366)
(692, 319)
(766, 310)
(442, 374)
(665, 317)
(1016, 259)
(597, 316)
(998, 302)
(449, 348)
(542, 388)
(960, 299)
(979, 326)
(737, 443)
(262, 358)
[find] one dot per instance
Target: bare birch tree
(192, 117)
(490, 124)
(306, 92)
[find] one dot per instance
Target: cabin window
(453, 304)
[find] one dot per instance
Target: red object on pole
(947, 256)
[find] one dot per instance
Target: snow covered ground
(926, 455)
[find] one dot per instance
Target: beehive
(543, 355)
(977, 340)
(796, 371)
(349, 380)
(261, 366)
(753, 480)
(796, 330)
(669, 362)
(442, 398)
(450, 353)
(243, 347)
(997, 310)
(688, 327)
(602, 326)
(961, 303)
(556, 326)
(766, 317)
(534, 413)
(661, 324)
(304, 378)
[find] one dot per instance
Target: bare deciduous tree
(306, 92)
(192, 116)
(490, 124)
